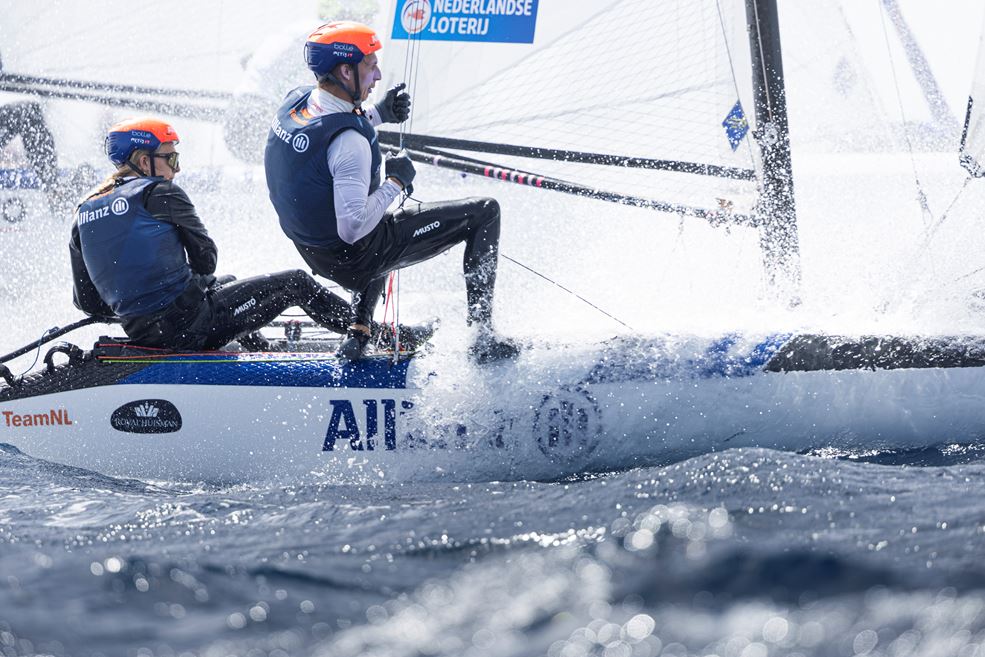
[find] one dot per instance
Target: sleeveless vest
(137, 263)
(296, 164)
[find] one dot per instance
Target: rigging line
(417, 71)
(407, 60)
(575, 294)
(969, 274)
(186, 110)
(762, 60)
(921, 196)
(412, 75)
(396, 322)
(93, 86)
(51, 334)
(735, 81)
(933, 228)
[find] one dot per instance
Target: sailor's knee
(488, 208)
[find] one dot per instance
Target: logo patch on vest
(120, 206)
(300, 143)
(426, 229)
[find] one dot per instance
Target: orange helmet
(127, 136)
(339, 42)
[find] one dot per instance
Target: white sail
(973, 137)
(631, 79)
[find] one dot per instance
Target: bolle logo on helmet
(140, 137)
(300, 143)
(415, 15)
(343, 47)
(120, 206)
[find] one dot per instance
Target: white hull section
(231, 433)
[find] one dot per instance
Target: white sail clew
(973, 138)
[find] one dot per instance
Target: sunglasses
(170, 158)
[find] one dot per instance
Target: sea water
(743, 553)
(747, 552)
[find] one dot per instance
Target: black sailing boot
(354, 345)
(412, 337)
(490, 348)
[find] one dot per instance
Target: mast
(778, 236)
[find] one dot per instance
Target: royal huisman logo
(147, 416)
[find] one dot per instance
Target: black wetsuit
(412, 234)
(207, 315)
(302, 190)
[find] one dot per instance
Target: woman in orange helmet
(141, 254)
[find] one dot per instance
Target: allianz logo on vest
(85, 216)
(426, 229)
(300, 143)
(120, 206)
(282, 134)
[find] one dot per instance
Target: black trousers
(211, 317)
(27, 120)
(413, 234)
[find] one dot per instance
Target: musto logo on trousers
(567, 426)
(147, 416)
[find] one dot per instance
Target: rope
(937, 224)
(735, 81)
(386, 309)
(921, 196)
(396, 318)
(574, 294)
(412, 51)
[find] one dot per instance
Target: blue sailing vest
(136, 262)
(296, 163)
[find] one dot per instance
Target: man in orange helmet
(323, 166)
(140, 253)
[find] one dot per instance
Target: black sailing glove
(400, 167)
(395, 106)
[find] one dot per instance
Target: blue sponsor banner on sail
(493, 21)
(736, 126)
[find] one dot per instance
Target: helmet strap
(354, 95)
(133, 165)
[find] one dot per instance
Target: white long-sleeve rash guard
(357, 212)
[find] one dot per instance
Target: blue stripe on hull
(297, 373)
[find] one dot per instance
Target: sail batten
(429, 142)
(718, 216)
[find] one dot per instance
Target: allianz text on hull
(557, 412)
